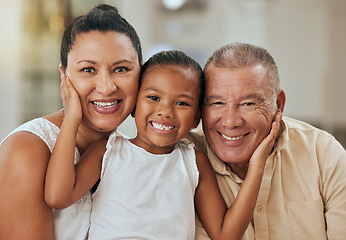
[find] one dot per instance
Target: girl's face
(167, 108)
(104, 70)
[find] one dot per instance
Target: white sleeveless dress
(71, 223)
(143, 195)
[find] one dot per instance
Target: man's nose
(232, 117)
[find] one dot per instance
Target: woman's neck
(86, 136)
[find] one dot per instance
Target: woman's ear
(62, 72)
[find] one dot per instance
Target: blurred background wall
(306, 37)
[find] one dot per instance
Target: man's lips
(234, 138)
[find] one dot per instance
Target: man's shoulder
(196, 136)
(301, 133)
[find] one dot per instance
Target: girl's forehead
(185, 72)
(175, 75)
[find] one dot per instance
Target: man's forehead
(217, 77)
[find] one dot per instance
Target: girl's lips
(161, 127)
(106, 106)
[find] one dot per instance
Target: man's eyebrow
(213, 97)
(255, 96)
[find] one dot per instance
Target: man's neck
(240, 169)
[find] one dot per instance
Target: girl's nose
(165, 110)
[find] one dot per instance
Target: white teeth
(161, 127)
(105, 104)
(231, 138)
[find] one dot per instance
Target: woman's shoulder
(23, 152)
(41, 130)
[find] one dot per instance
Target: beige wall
(306, 37)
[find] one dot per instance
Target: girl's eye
(154, 98)
(88, 69)
(120, 69)
(182, 104)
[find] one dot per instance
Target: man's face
(239, 111)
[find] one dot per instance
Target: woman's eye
(154, 98)
(120, 69)
(88, 69)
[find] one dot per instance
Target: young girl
(149, 185)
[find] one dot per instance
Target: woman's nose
(106, 84)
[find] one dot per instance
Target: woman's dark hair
(101, 18)
(176, 58)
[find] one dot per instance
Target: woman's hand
(259, 157)
(71, 100)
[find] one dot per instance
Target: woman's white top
(143, 195)
(71, 223)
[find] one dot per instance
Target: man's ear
(281, 100)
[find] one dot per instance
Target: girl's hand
(71, 100)
(259, 157)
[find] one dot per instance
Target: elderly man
(303, 190)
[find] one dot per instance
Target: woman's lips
(106, 107)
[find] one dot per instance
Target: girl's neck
(151, 148)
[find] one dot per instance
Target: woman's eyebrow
(115, 63)
(86, 61)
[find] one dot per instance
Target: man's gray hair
(236, 55)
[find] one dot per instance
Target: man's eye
(216, 103)
(120, 69)
(249, 104)
(154, 98)
(88, 69)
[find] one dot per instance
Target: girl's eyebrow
(186, 96)
(151, 89)
(181, 95)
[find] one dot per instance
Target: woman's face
(104, 70)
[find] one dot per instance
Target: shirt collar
(220, 166)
